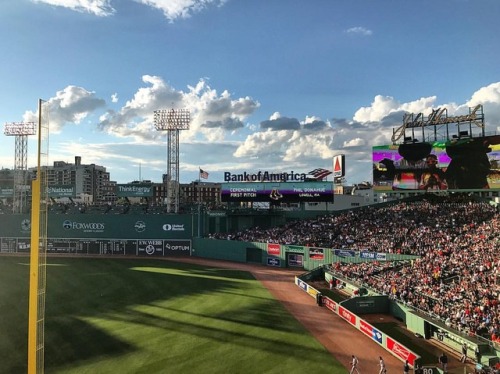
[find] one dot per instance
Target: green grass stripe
(143, 316)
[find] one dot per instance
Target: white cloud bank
(222, 138)
(172, 9)
(100, 8)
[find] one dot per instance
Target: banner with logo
(347, 315)
(344, 253)
(373, 255)
(103, 226)
(177, 247)
(273, 249)
(61, 191)
(134, 190)
(6, 191)
(316, 254)
(295, 260)
(400, 351)
(371, 331)
(150, 248)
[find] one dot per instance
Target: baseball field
(149, 316)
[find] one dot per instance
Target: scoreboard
(138, 247)
(279, 192)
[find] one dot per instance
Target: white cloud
(354, 142)
(101, 8)
(71, 105)
(212, 115)
(174, 9)
(488, 94)
(382, 106)
(275, 115)
(114, 98)
(359, 31)
(219, 136)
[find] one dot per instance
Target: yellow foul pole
(35, 349)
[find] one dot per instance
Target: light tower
(20, 130)
(172, 121)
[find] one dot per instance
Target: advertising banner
(339, 166)
(61, 191)
(312, 291)
(371, 331)
(177, 247)
(344, 253)
(103, 226)
(134, 190)
(295, 260)
(373, 255)
(150, 248)
(348, 316)
(302, 284)
(400, 351)
(273, 261)
(295, 248)
(279, 192)
(273, 249)
(6, 191)
(316, 254)
(330, 304)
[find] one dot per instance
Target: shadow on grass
(70, 340)
(228, 331)
(115, 289)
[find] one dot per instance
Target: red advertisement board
(330, 304)
(348, 316)
(401, 351)
(273, 249)
(366, 328)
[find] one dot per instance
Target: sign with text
(347, 315)
(401, 351)
(177, 247)
(316, 253)
(330, 304)
(272, 261)
(134, 190)
(344, 253)
(295, 260)
(273, 249)
(150, 247)
(371, 331)
(284, 192)
(61, 191)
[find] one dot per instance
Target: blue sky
(275, 85)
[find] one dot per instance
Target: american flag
(319, 173)
(203, 174)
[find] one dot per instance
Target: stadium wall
(417, 322)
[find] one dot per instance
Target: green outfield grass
(143, 316)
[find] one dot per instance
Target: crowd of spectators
(456, 277)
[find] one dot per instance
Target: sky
(274, 85)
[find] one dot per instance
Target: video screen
(284, 192)
(457, 164)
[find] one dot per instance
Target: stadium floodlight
(172, 121)
(20, 128)
(21, 131)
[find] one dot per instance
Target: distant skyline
(277, 85)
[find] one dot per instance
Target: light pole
(172, 120)
(20, 130)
